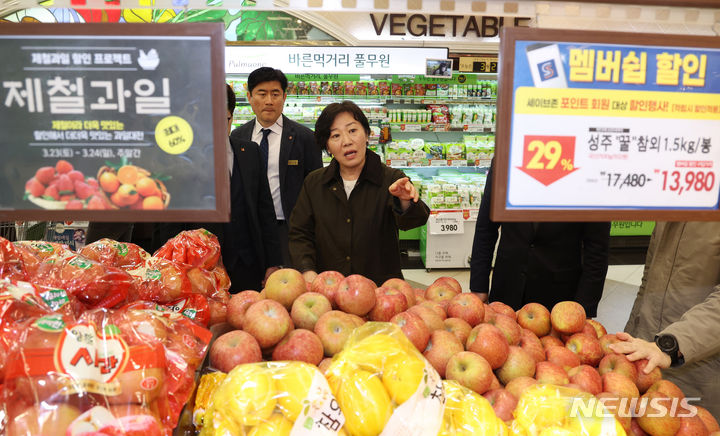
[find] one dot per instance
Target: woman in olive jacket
(348, 214)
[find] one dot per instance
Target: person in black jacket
(539, 262)
(288, 148)
(249, 242)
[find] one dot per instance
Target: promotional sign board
(594, 128)
(113, 122)
(331, 60)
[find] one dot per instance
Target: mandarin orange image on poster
(133, 187)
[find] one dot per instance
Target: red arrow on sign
(547, 159)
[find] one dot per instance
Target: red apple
(635, 429)
(502, 402)
(667, 388)
(402, 286)
(470, 370)
(327, 283)
(620, 407)
(442, 289)
(324, 364)
(562, 356)
(586, 347)
(300, 344)
(692, 426)
(654, 414)
(587, 378)
(334, 328)
(519, 385)
(707, 418)
(534, 317)
(503, 309)
(238, 305)
(518, 363)
(567, 317)
(509, 327)
(644, 381)
(551, 340)
(599, 328)
(619, 384)
(618, 363)
(606, 341)
(388, 303)
(530, 343)
(489, 342)
(234, 348)
(419, 295)
(358, 321)
(356, 295)
(268, 321)
(490, 314)
(441, 347)
(308, 308)
(548, 372)
(467, 306)
(414, 328)
(284, 286)
(436, 307)
(459, 328)
(429, 317)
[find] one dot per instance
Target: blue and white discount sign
(604, 128)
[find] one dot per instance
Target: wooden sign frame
(215, 33)
(509, 37)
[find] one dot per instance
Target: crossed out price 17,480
(675, 181)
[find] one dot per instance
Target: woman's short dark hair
(327, 118)
(266, 74)
(230, 98)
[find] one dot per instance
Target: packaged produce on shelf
(124, 255)
(272, 398)
(105, 371)
(384, 386)
(434, 150)
(543, 408)
(203, 396)
(467, 413)
(479, 148)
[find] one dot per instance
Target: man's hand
(309, 276)
(637, 349)
(269, 271)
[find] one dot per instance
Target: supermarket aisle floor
(621, 287)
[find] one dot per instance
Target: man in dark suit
(288, 148)
(249, 242)
(539, 262)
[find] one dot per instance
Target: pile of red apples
(488, 348)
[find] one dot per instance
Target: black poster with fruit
(113, 122)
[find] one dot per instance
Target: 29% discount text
(547, 159)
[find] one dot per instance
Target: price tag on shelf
(473, 128)
(446, 223)
(410, 127)
(396, 163)
(438, 163)
(457, 162)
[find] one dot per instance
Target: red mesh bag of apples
(35, 253)
(123, 255)
(187, 267)
(92, 283)
(12, 265)
(107, 372)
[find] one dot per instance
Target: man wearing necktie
(287, 148)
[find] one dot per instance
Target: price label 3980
(446, 223)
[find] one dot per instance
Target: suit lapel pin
(289, 137)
